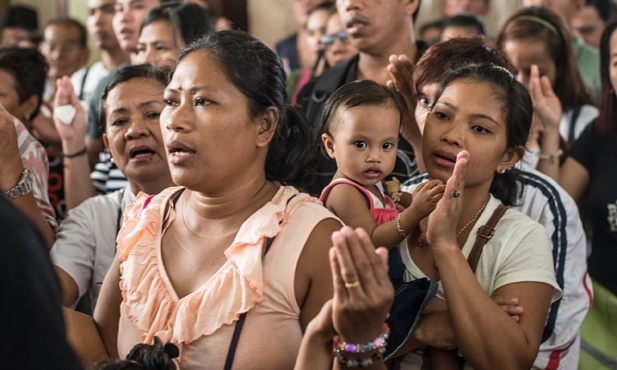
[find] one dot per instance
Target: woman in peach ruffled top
(236, 249)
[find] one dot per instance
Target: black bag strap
(235, 338)
(575, 113)
(83, 84)
(485, 233)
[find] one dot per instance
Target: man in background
(19, 24)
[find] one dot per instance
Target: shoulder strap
(571, 134)
(485, 233)
(120, 211)
(235, 338)
(83, 84)
(326, 191)
(324, 85)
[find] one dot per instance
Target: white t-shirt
(85, 244)
(96, 72)
(545, 201)
(519, 251)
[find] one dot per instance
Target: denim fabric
(409, 300)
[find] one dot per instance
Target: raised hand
(73, 134)
(11, 167)
(363, 292)
(546, 104)
(426, 196)
(400, 70)
(442, 222)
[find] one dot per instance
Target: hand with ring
(363, 292)
(442, 223)
(363, 295)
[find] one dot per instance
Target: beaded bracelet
(550, 157)
(359, 362)
(376, 344)
(399, 227)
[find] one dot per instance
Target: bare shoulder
(343, 195)
(313, 281)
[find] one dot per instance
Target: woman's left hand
(363, 292)
(400, 70)
(442, 222)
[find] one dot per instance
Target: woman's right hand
(442, 222)
(363, 292)
(73, 135)
(546, 104)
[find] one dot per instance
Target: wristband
(378, 343)
(76, 154)
(399, 227)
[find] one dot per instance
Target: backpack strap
(575, 113)
(485, 233)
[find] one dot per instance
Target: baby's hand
(426, 196)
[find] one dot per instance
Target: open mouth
(445, 158)
(179, 150)
(355, 25)
(141, 152)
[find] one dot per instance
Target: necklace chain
(473, 219)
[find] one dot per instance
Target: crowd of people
(358, 195)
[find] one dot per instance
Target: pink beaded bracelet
(339, 345)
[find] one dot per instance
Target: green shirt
(588, 60)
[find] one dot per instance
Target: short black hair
(29, 69)
(20, 16)
(465, 20)
(605, 8)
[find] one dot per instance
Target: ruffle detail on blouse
(148, 298)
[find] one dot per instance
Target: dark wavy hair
(445, 56)
(130, 72)
(517, 110)
(257, 72)
(540, 23)
(359, 93)
(29, 69)
(607, 119)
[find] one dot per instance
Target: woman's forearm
(486, 336)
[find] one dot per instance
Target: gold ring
(355, 284)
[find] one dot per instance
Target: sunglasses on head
(328, 40)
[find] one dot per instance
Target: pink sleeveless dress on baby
(381, 213)
(202, 323)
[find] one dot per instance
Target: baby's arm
(424, 200)
(425, 197)
(352, 207)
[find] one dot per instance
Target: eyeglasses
(66, 48)
(328, 40)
